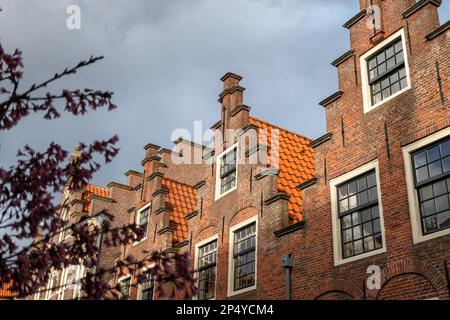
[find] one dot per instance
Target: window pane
(444, 220)
(422, 174)
(347, 236)
(446, 164)
(430, 224)
(355, 218)
(346, 221)
(343, 192)
(433, 154)
(371, 180)
(426, 193)
(358, 247)
(442, 203)
(367, 215)
(369, 244)
(445, 148)
(363, 198)
(420, 159)
(435, 169)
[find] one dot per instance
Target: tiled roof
(6, 293)
(93, 189)
(181, 199)
(295, 165)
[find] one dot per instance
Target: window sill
(367, 109)
(224, 194)
(241, 291)
(138, 242)
(423, 238)
(340, 261)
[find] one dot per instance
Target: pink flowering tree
(29, 212)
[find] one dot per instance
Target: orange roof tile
(181, 199)
(92, 189)
(295, 162)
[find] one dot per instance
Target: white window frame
(197, 247)
(367, 99)
(63, 283)
(138, 215)
(77, 284)
(413, 199)
(231, 291)
(123, 278)
(50, 286)
(336, 223)
(139, 291)
(64, 232)
(218, 164)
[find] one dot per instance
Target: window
(357, 214)
(206, 265)
(226, 171)
(142, 220)
(146, 288)
(50, 287)
(242, 276)
(385, 71)
(65, 231)
(124, 288)
(79, 275)
(428, 178)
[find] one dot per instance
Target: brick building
(270, 214)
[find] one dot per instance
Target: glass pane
(386, 93)
(398, 47)
(357, 234)
(346, 221)
(395, 87)
(352, 202)
(445, 148)
(362, 184)
(368, 244)
(366, 215)
(377, 98)
(355, 217)
(439, 188)
(343, 205)
(430, 224)
(426, 193)
(435, 169)
(352, 188)
(442, 203)
(358, 247)
(372, 64)
(402, 73)
(422, 174)
(446, 164)
(343, 192)
(373, 194)
(444, 220)
(420, 159)
(403, 83)
(367, 229)
(428, 208)
(348, 250)
(433, 154)
(375, 212)
(385, 83)
(371, 181)
(382, 68)
(376, 226)
(378, 241)
(363, 198)
(399, 57)
(390, 63)
(376, 87)
(380, 58)
(347, 236)
(390, 52)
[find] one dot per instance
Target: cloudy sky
(164, 58)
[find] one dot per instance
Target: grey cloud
(164, 58)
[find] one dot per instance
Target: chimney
(152, 178)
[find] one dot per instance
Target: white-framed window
(385, 71)
(125, 287)
(427, 166)
(242, 257)
(146, 289)
(79, 275)
(226, 171)
(206, 264)
(357, 214)
(63, 283)
(50, 287)
(142, 218)
(65, 231)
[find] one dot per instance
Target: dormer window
(385, 71)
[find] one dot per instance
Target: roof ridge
(281, 128)
(97, 186)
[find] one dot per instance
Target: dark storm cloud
(164, 58)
